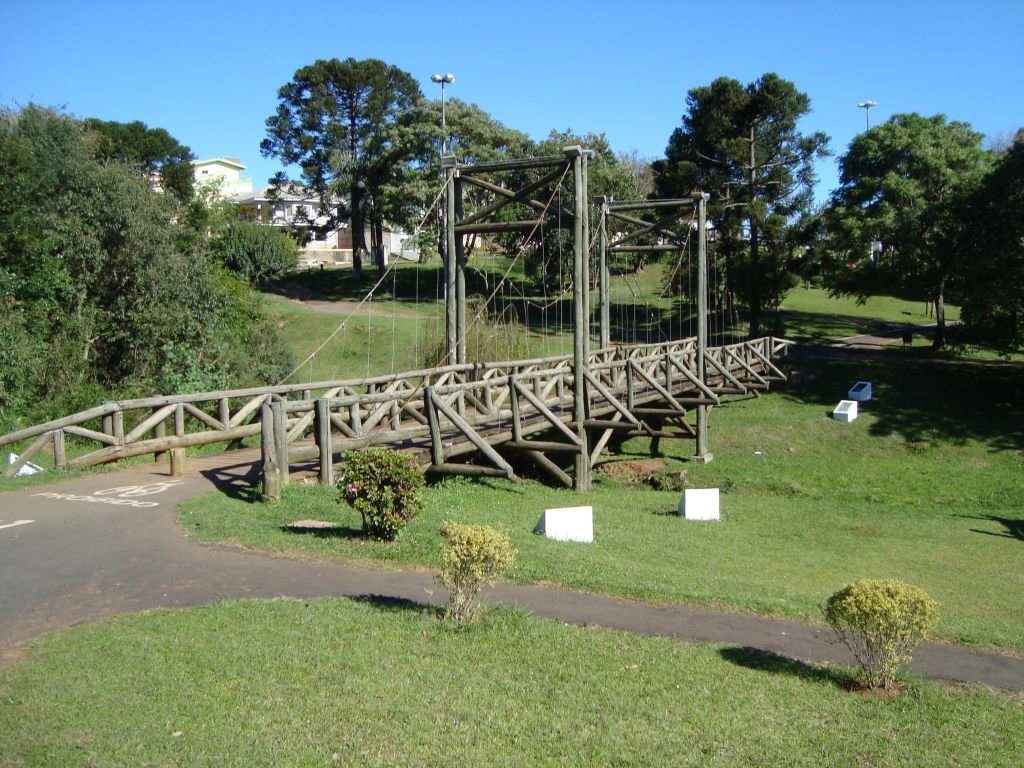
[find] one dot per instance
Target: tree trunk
(358, 232)
(940, 321)
(377, 240)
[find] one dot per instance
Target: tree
(741, 144)
(94, 276)
(338, 120)
(992, 252)
(151, 151)
(551, 261)
(255, 251)
(640, 168)
(896, 217)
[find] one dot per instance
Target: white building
(296, 208)
(224, 174)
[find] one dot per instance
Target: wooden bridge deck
(481, 419)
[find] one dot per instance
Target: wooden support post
(581, 331)
(280, 441)
(60, 458)
(460, 277)
(450, 264)
(178, 454)
(702, 454)
(323, 440)
(271, 484)
(605, 277)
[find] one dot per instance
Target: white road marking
(16, 522)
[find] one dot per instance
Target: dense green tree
(992, 252)
(895, 219)
(94, 280)
(338, 121)
(472, 136)
(549, 258)
(151, 151)
(254, 251)
(741, 144)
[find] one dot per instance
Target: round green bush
(881, 621)
(385, 487)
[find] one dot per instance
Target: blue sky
(208, 72)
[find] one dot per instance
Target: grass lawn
(810, 315)
(334, 682)
(925, 486)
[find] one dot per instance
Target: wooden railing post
(323, 440)
(271, 478)
(178, 454)
(280, 441)
(60, 458)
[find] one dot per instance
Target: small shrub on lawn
(385, 487)
(475, 555)
(881, 621)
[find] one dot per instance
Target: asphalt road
(93, 547)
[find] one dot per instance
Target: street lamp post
(442, 79)
(865, 105)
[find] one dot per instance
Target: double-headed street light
(442, 79)
(866, 106)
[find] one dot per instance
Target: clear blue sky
(209, 71)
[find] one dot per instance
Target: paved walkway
(85, 549)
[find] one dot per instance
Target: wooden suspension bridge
(556, 414)
(476, 419)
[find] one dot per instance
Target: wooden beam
(544, 463)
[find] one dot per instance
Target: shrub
(881, 621)
(254, 250)
(475, 555)
(385, 487)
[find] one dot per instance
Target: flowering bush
(384, 487)
(881, 621)
(475, 555)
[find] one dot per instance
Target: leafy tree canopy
(148, 150)
(741, 143)
(255, 251)
(97, 295)
(340, 122)
(904, 185)
(992, 244)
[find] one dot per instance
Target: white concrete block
(861, 391)
(567, 524)
(699, 504)
(28, 468)
(845, 411)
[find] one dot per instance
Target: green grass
(925, 486)
(811, 315)
(333, 682)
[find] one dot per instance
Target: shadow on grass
(237, 481)
(400, 605)
(1014, 528)
(813, 327)
(322, 531)
(769, 661)
(924, 400)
